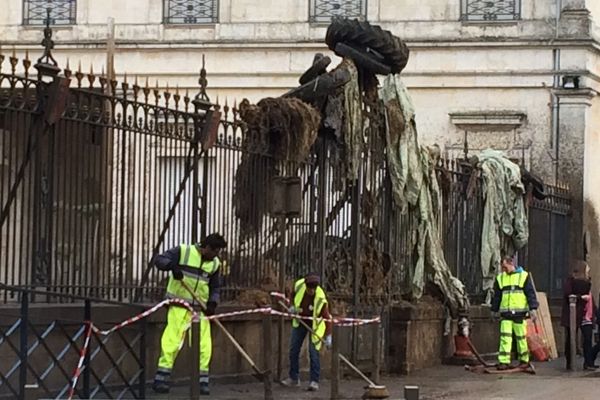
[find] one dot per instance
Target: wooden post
(572, 328)
(376, 345)
(195, 373)
(268, 354)
(335, 364)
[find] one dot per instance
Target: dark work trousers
(590, 351)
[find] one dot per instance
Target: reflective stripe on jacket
(196, 274)
(514, 300)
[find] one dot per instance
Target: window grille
(62, 12)
(490, 10)
(324, 10)
(180, 12)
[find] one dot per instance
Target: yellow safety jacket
(318, 324)
(514, 301)
(196, 274)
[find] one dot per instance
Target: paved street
(444, 382)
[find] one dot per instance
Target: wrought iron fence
(490, 10)
(547, 255)
(97, 176)
(462, 221)
(321, 11)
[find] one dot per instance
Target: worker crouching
(198, 266)
(515, 301)
(309, 300)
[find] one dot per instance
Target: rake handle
(224, 330)
(341, 356)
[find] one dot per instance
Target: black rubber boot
(204, 390)
(161, 387)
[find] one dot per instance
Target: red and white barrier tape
(92, 328)
(264, 310)
(334, 320)
(145, 314)
(82, 353)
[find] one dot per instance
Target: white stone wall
(591, 191)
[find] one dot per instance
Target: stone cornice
(488, 120)
(575, 97)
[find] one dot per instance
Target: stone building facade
(520, 75)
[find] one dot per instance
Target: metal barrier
(114, 366)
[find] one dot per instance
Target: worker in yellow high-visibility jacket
(309, 300)
(514, 301)
(198, 266)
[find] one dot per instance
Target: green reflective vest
(196, 274)
(318, 324)
(513, 300)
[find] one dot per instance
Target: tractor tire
(537, 184)
(362, 35)
(363, 59)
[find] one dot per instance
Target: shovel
(259, 374)
(372, 391)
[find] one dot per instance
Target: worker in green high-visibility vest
(309, 300)
(198, 266)
(514, 301)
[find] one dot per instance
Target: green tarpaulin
(505, 228)
(415, 190)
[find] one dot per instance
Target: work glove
(177, 272)
(211, 307)
(328, 341)
(292, 310)
(533, 315)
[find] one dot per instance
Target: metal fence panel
(123, 175)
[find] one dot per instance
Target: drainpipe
(555, 101)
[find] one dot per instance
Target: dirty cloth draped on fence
(415, 190)
(505, 227)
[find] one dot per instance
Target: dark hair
(214, 241)
(312, 280)
(509, 258)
